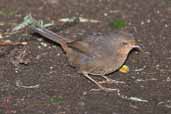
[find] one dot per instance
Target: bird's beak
(137, 47)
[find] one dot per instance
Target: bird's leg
(98, 84)
(110, 81)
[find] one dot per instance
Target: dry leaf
(124, 69)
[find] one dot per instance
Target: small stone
(142, 22)
(168, 79)
(38, 57)
(58, 54)
(39, 39)
(157, 66)
(54, 46)
(16, 71)
(51, 67)
(24, 43)
(39, 47)
(166, 25)
(129, 23)
(157, 11)
(43, 44)
(1, 36)
(105, 14)
(84, 93)
(148, 20)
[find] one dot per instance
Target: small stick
(20, 84)
(10, 43)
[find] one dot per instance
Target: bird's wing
(80, 46)
(93, 45)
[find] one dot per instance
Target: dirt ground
(57, 88)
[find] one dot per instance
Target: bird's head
(127, 42)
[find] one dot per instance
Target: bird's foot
(101, 88)
(110, 81)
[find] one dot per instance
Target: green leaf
(118, 23)
(56, 100)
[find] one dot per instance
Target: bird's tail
(51, 36)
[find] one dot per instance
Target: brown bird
(96, 54)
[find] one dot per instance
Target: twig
(80, 19)
(20, 84)
(140, 69)
(8, 43)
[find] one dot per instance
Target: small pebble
(166, 25)
(105, 14)
(1, 36)
(43, 44)
(38, 57)
(54, 46)
(39, 47)
(58, 54)
(142, 22)
(129, 23)
(157, 66)
(39, 39)
(24, 43)
(84, 93)
(168, 79)
(157, 11)
(51, 67)
(148, 20)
